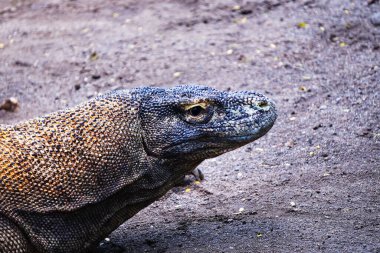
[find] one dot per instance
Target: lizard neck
(98, 219)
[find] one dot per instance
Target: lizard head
(197, 122)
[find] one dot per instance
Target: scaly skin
(70, 178)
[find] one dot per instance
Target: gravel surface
(310, 185)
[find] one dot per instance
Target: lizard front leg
(12, 239)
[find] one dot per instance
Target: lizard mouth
(214, 145)
(249, 136)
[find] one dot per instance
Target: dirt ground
(311, 185)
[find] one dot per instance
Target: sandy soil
(311, 185)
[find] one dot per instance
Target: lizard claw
(198, 174)
(107, 246)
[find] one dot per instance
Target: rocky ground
(311, 185)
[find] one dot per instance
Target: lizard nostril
(263, 105)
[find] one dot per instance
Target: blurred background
(310, 185)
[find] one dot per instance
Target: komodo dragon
(69, 179)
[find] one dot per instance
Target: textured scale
(70, 178)
(54, 162)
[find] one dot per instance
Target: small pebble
(306, 78)
(342, 44)
(375, 19)
(272, 45)
(290, 143)
(177, 74)
(302, 25)
(11, 104)
(241, 21)
(77, 86)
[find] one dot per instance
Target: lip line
(245, 137)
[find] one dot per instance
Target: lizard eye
(198, 113)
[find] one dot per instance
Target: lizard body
(70, 178)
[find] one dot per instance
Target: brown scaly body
(70, 178)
